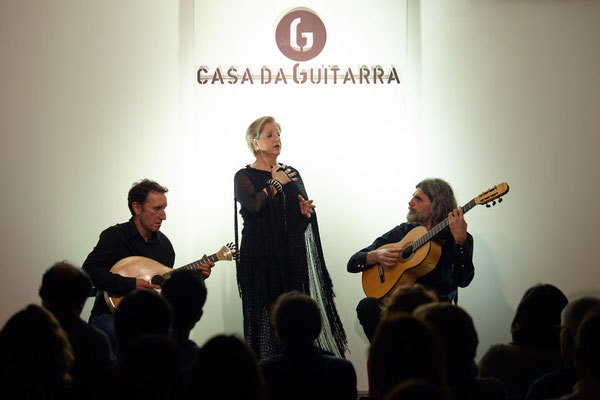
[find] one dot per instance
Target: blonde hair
(255, 129)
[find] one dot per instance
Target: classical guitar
(157, 273)
(419, 254)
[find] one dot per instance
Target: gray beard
(414, 218)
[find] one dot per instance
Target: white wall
(95, 95)
(509, 91)
(90, 94)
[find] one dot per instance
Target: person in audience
(301, 370)
(407, 298)
(403, 348)
(35, 357)
(560, 382)
(142, 312)
(140, 236)
(64, 290)
(458, 337)
(414, 389)
(186, 292)
(225, 368)
(149, 368)
(587, 358)
(404, 298)
(534, 349)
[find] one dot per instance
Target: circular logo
(301, 35)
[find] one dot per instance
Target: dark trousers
(106, 323)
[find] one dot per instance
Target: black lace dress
(280, 251)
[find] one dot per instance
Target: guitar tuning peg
(500, 200)
(494, 202)
(487, 206)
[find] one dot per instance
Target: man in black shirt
(140, 236)
(433, 201)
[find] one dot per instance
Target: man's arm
(99, 262)
(369, 256)
(462, 254)
(462, 259)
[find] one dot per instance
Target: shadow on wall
(484, 301)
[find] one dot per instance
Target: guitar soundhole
(407, 252)
(157, 280)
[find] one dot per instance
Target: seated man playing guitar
(140, 236)
(443, 264)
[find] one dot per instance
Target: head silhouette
(141, 312)
(537, 319)
(296, 316)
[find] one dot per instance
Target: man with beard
(432, 202)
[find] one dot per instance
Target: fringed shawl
(280, 251)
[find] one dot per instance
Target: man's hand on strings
(142, 284)
(458, 226)
(205, 268)
(388, 258)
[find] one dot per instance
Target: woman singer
(280, 248)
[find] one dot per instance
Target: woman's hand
(283, 174)
(306, 206)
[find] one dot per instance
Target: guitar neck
(433, 232)
(194, 265)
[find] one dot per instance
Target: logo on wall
(301, 35)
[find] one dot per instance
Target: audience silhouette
(186, 292)
(420, 349)
(141, 312)
(301, 370)
(458, 338)
(414, 389)
(560, 382)
(404, 298)
(404, 347)
(225, 368)
(587, 358)
(35, 357)
(407, 299)
(149, 368)
(63, 291)
(534, 349)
